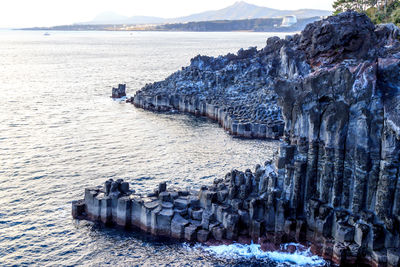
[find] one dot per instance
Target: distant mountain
(237, 11)
(243, 10)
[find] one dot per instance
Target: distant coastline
(249, 25)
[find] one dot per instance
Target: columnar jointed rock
(240, 204)
(234, 90)
(119, 91)
(336, 179)
(342, 131)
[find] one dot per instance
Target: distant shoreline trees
(380, 11)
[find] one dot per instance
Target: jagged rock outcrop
(235, 90)
(336, 178)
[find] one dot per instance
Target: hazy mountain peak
(240, 3)
(243, 4)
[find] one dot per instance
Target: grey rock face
(342, 119)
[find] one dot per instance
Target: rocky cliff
(236, 90)
(340, 163)
(336, 179)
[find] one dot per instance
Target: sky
(29, 13)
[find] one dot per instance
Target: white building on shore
(289, 21)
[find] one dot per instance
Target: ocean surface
(61, 132)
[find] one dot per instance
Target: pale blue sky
(21, 13)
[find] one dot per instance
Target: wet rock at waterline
(119, 91)
(336, 179)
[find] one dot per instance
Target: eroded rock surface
(336, 178)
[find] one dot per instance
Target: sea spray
(300, 257)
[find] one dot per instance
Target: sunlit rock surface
(335, 181)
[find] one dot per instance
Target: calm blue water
(60, 132)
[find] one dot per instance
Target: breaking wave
(300, 257)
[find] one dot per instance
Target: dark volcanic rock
(343, 121)
(236, 90)
(119, 91)
(345, 36)
(336, 179)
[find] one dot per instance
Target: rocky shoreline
(235, 90)
(336, 180)
(263, 129)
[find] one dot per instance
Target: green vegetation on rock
(380, 11)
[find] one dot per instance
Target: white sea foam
(120, 99)
(300, 257)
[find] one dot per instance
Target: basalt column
(346, 145)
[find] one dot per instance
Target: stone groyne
(335, 182)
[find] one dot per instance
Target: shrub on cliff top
(380, 11)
